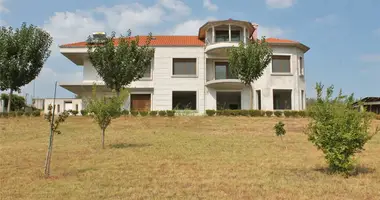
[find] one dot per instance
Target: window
(222, 71)
(235, 36)
(184, 66)
(184, 100)
(282, 99)
(222, 36)
(258, 94)
(228, 100)
(281, 64)
(76, 107)
(302, 100)
(58, 108)
(301, 66)
(148, 72)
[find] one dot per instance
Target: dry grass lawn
(179, 158)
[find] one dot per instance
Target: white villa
(191, 72)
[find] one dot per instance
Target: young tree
(248, 61)
(23, 53)
(104, 109)
(338, 129)
(122, 63)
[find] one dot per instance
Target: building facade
(192, 73)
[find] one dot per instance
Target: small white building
(192, 72)
(62, 104)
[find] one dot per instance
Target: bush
(378, 117)
(288, 113)
(134, 113)
(170, 113)
(153, 113)
(12, 114)
(28, 113)
(302, 113)
(210, 112)
(278, 113)
(144, 113)
(4, 114)
(219, 112)
(294, 113)
(244, 113)
(269, 113)
(279, 129)
(84, 112)
(162, 113)
(19, 113)
(74, 112)
(36, 113)
(125, 112)
(338, 129)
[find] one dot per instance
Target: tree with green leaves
(338, 129)
(121, 61)
(248, 61)
(104, 109)
(18, 102)
(23, 53)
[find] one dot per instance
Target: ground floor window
(228, 100)
(282, 99)
(184, 100)
(258, 97)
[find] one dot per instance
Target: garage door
(140, 102)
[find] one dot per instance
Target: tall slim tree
(120, 61)
(248, 61)
(23, 53)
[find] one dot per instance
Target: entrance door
(140, 102)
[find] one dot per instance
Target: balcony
(222, 37)
(219, 76)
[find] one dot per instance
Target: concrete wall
(61, 103)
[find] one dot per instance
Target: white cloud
(330, 19)
(176, 6)
(3, 9)
(280, 3)
(3, 23)
(209, 5)
(189, 27)
(271, 31)
(370, 58)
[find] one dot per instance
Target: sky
(344, 35)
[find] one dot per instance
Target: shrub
(28, 113)
(153, 113)
(269, 113)
(210, 112)
(12, 114)
(219, 112)
(19, 113)
(294, 113)
(234, 112)
(278, 113)
(84, 112)
(36, 113)
(378, 117)
(302, 113)
(4, 114)
(74, 112)
(338, 129)
(144, 113)
(170, 113)
(134, 113)
(244, 113)
(288, 113)
(125, 112)
(279, 129)
(162, 113)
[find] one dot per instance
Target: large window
(228, 100)
(235, 36)
(222, 71)
(221, 36)
(282, 99)
(184, 100)
(281, 64)
(184, 66)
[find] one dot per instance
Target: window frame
(291, 98)
(302, 67)
(290, 64)
(196, 99)
(151, 73)
(184, 75)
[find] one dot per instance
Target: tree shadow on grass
(126, 145)
(358, 170)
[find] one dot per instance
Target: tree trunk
(9, 100)
(103, 134)
(251, 98)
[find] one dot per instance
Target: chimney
(254, 34)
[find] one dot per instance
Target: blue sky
(344, 35)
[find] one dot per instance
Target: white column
(229, 32)
(245, 35)
(213, 34)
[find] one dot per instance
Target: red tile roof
(178, 41)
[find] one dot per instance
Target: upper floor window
(223, 36)
(223, 71)
(147, 73)
(280, 64)
(184, 66)
(301, 66)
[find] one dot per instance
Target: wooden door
(140, 102)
